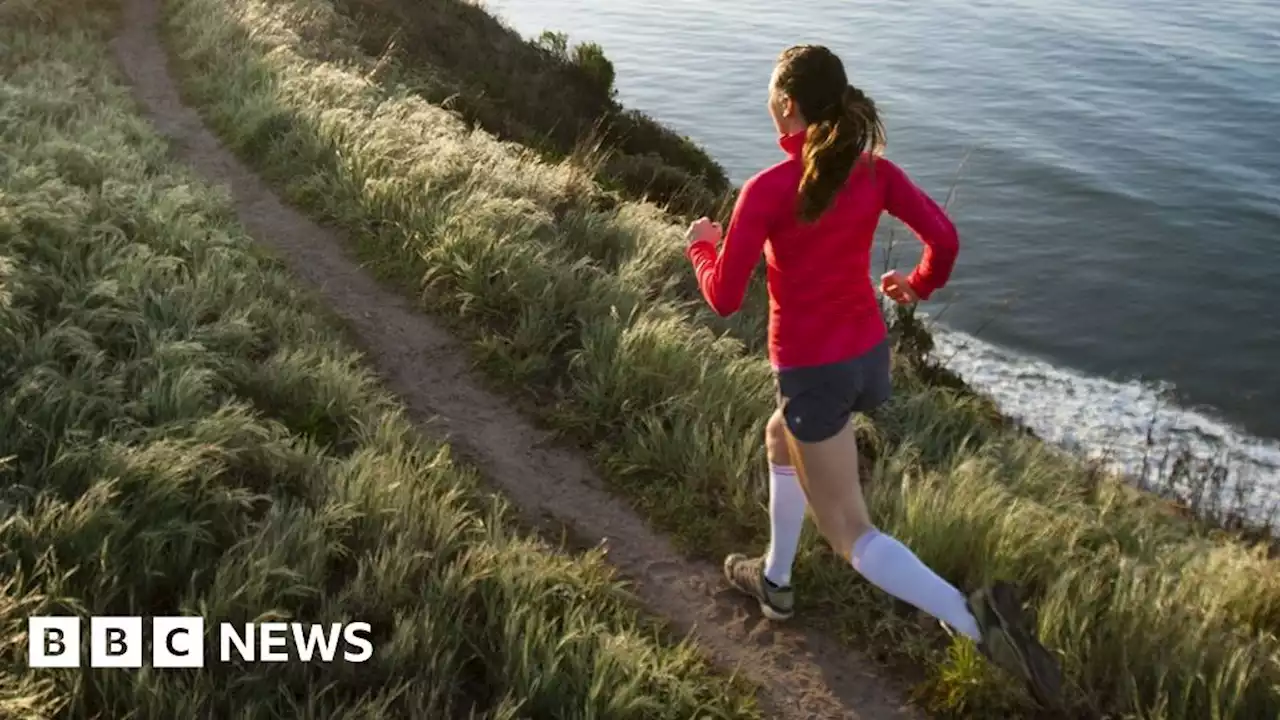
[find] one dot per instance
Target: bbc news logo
(54, 641)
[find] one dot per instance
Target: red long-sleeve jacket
(822, 304)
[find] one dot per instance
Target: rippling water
(1119, 209)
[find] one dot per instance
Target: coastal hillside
(547, 93)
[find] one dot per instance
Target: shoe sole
(1041, 667)
(771, 613)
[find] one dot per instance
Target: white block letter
(53, 641)
(177, 642)
(279, 640)
(244, 643)
(115, 642)
(352, 634)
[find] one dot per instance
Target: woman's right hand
(895, 285)
(702, 230)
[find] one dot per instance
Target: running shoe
(1009, 641)
(747, 576)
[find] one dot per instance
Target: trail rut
(803, 675)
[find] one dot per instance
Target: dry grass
(183, 432)
(585, 308)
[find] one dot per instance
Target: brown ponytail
(843, 124)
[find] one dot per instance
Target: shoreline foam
(1108, 418)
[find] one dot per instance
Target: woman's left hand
(703, 230)
(897, 288)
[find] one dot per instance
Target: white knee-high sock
(893, 568)
(786, 519)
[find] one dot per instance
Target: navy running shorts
(818, 402)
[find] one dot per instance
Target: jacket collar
(793, 144)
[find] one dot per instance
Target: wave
(1128, 424)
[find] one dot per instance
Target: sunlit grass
(183, 432)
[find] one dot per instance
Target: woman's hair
(843, 123)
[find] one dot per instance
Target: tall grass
(182, 432)
(585, 310)
(547, 93)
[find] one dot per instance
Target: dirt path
(804, 675)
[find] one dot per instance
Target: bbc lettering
(54, 641)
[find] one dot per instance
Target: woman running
(814, 217)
